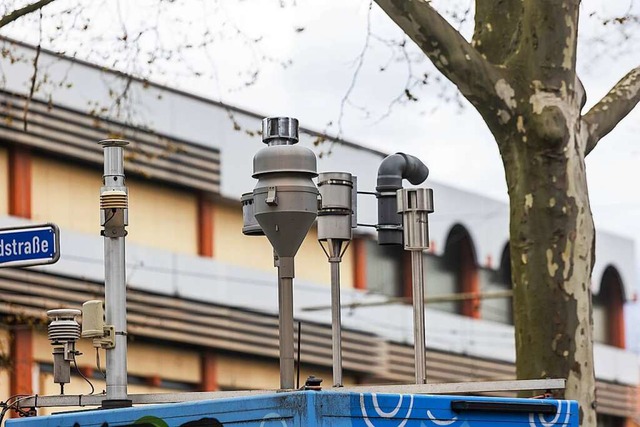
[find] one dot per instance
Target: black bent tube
(392, 171)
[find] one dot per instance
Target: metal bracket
(114, 232)
(272, 197)
(108, 339)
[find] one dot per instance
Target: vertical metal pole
(285, 308)
(417, 282)
(336, 324)
(415, 204)
(113, 200)
(115, 314)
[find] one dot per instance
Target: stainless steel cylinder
(415, 204)
(336, 324)
(334, 215)
(250, 226)
(114, 157)
(114, 218)
(116, 315)
(420, 343)
(285, 322)
(279, 130)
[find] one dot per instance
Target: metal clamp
(272, 196)
(108, 339)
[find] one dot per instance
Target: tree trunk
(551, 225)
(520, 74)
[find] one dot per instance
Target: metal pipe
(420, 348)
(336, 324)
(440, 388)
(116, 315)
(285, 308)
(392, 171)
(415, 204)
(114, 219)
(427, 300)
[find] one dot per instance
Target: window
(453, 273)
(440, 279)
(609, 421)
(497, 309)
(608, 313)
(384, 268)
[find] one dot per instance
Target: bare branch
(34, 77)
(354, 78)
(19, 13)
(606, 114)
(450, 53)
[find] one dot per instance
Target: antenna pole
(415, 204)
(285, 305)
(114, 219)
(336, 323)
(420, 345)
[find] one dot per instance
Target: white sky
(453, 142)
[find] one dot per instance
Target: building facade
(202, 303)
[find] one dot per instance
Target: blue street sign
(31, 245)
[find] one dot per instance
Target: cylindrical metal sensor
(334, 234)
(250, 226)
(334, 215)
(279, 128)
(415, 204)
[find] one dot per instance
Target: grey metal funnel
(285, 198)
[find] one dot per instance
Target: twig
(354, 78)
(18, 13)
(34, 77)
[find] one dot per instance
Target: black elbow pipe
(392, 171)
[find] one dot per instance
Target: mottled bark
(552, 239)
(498, 26)
(606, 114)
(547, 47)
(521, 77)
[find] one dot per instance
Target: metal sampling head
(279, 130)
(334, 213)
(415, 204)
(285, 198)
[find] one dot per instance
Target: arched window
(608, 312)
(453, 273)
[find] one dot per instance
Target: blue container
(327, 408)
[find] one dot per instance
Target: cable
(75, 364)
(104, 375)
(18, 398)
(113, 214)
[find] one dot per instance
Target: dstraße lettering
(16, 248)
